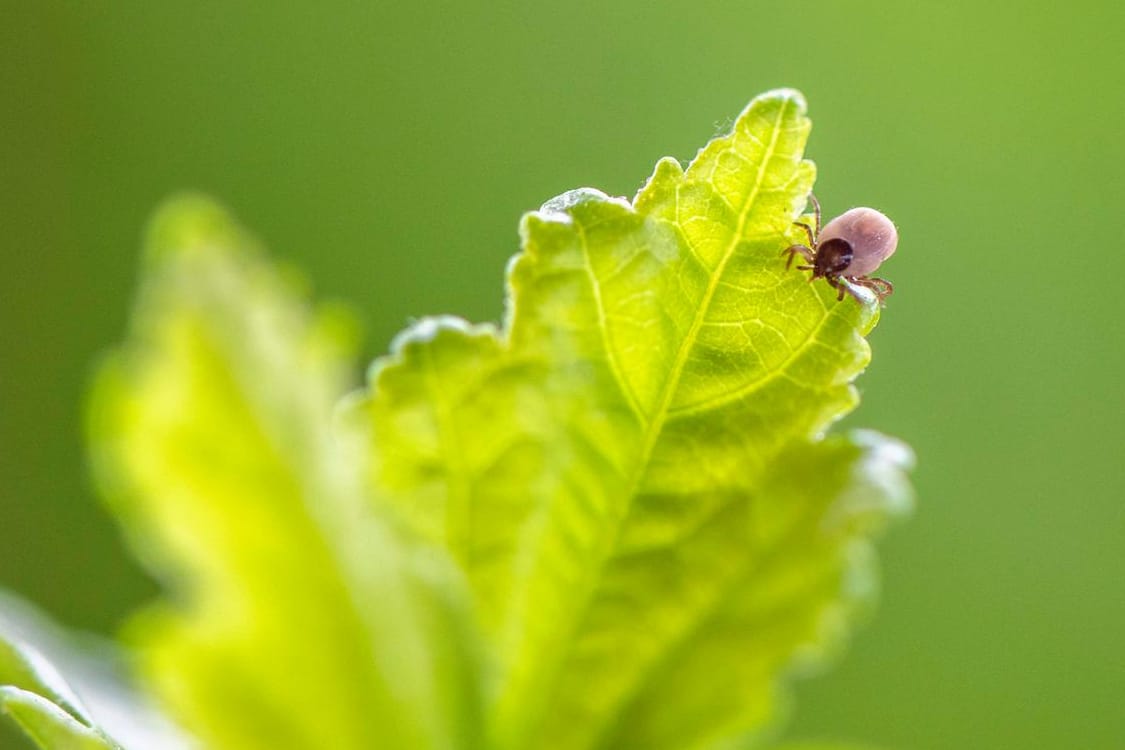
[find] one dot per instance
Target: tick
(847, 249)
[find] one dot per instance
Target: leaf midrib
(672, 383)
(654, 426)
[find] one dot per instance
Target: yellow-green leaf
(93, 703)
(632, 472)
(51, 727)
(296, 617)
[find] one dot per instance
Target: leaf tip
(667, 174)
(783, 96)
(560, 207)
(433, 327)
(424, 333)
(776, 106)
(188, 222)
(888, 461)
(890, 451)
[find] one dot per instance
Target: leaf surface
(24, 668)
(296, 618)
(45, 722)
(632, 471)
(35, 653)
(36, 697)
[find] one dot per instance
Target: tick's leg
(848, 284)
(816, 212)
(881, 287)
(805, 252)
(808, 231)
(839, 286)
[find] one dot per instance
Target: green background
(389, 150)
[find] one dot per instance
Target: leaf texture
(632, 472)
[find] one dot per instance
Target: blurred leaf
(49, 725)
(24, 668)
(631, 473)
(296, 618)
(94, 692)
(37, 699)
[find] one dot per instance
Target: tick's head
(833, 257)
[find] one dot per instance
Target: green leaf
(94, 692)
(632, 472)
(39, 701)
(296, 617)
(48, 724)
(24, 668)
(459, 427)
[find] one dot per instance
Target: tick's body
(847, 249)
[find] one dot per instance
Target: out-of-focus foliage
(94, 704)
(615, 522)
(298, 619)
(51, 727)
(37, 699)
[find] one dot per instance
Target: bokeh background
(390, 148)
